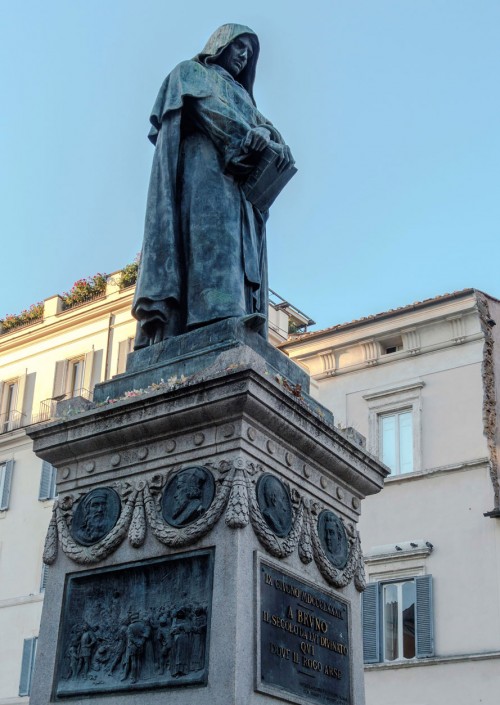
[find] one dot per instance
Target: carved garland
(235, 493)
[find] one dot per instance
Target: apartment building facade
(421, 383)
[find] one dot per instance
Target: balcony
(11, 420)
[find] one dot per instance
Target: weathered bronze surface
(275, 505)
(142, 625)
(333, 538)
(187, 496)
(304, 640)
(204, 251)
(96, 514)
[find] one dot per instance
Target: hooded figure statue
(204, 251)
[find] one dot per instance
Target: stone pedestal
(203, 548)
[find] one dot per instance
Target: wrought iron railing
(83, 302)
(20, 324)
(47, 410)
(10, 421)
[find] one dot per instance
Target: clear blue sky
(391, 108)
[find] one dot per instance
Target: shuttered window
(398, 620)
(43, 577)
(124, 347)
(371, 641)
(47, 488)
(27, 663)
(5, 483)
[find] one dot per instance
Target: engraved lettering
(311, 664)
(309, 620)
(280, 651)
(332, 672)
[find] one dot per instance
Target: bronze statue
(204, 251)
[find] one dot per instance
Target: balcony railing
(47, 410)
(11, 421)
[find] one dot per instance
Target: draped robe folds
(204, 247)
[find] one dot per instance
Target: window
(12, 393)
(391, 345)
(43, 577)
(124, 347)
(394, 426)
(28, 661)
(396, 441)
(47, 489)
(5, 483)
(76, 377)
(397, 620)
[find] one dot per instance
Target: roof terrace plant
(85, 290)
(33, 314)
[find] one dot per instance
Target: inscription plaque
(141, 625)
(303, 634)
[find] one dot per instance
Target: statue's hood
(220, 40)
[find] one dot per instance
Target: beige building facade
(421, 384)
(61, 355)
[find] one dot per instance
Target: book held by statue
(265, 182)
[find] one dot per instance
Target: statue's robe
(204, 246)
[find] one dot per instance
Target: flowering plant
(84, 290)
(29, 315)
(129, 273)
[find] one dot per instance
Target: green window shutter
(371, 622)
(28, 661)
(47, 482)
(5, 484)
(424, 629)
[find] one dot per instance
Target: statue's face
(97, 507)
(235, 57)
(333, 536)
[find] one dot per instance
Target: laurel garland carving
(338, 578)
(85, 555)
(137, 529)
(51, 545)
(235, 495)
(279, 547)
(305, 544)
(238, 512)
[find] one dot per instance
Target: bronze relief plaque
(333, 538)
(187, 496)
(303, 640)
(95, 515)
(138, 626)
(275, 504)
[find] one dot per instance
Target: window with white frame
(398, 620)
(396, 440)
(394, 420)
(9, 413)
(76, 376)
